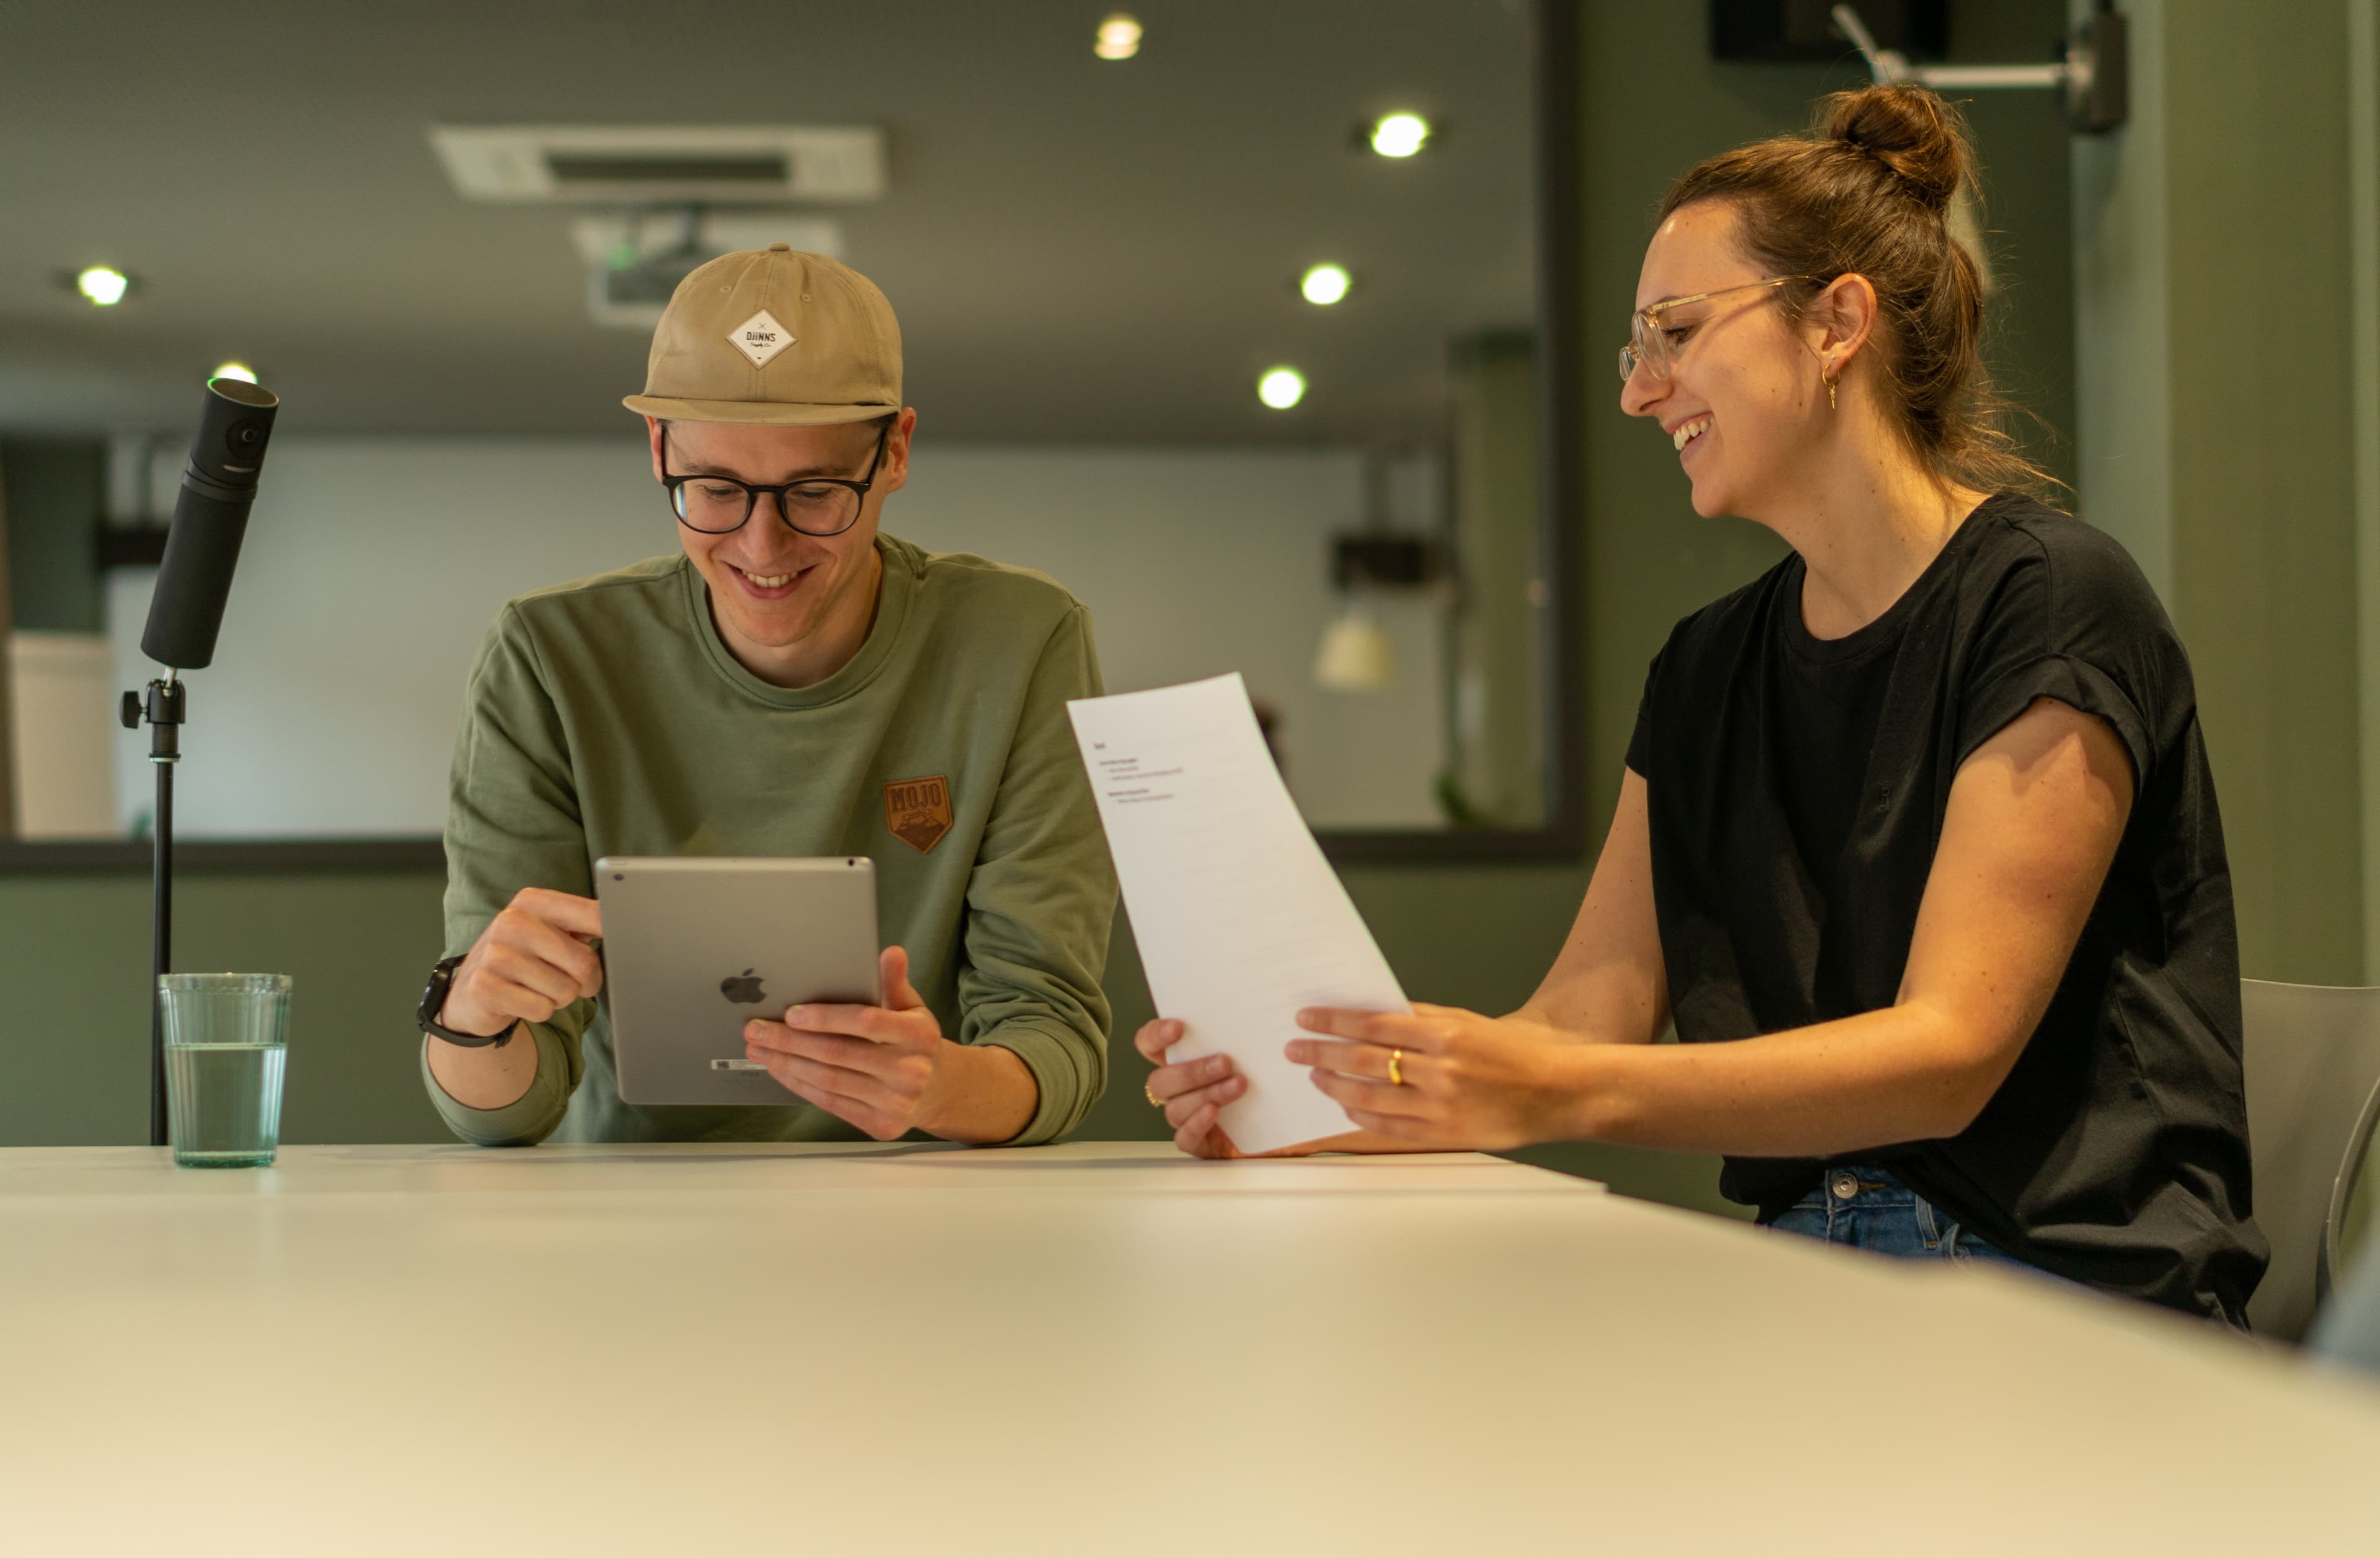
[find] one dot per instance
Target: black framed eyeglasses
(816, 505)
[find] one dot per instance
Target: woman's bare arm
(2034, 819)
(1608, 984)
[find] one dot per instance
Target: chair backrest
(2312, 1059)
(2348, 1327)
(2346, 1232)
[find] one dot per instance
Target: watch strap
(433, 999)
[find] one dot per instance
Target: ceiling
(1078, 249)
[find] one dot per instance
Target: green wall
(74, 963)
(2225, 454)
(73, 953)
(52, 491)
(2263, 537)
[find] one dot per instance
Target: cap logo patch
(760, 337)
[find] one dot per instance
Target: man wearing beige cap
(791, 682)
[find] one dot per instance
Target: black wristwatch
(442, 979)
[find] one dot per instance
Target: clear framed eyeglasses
(1654, 345)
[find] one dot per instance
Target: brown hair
(1869, 191)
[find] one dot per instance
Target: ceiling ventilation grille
(622, 164)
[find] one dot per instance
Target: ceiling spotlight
(102, 285)
(1325, 283)
(1282, 388)
(1119, 38)
(239, 371)
(1400, 135)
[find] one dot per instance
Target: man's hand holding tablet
(888, 1069)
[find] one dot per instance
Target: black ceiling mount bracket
(2093, 72)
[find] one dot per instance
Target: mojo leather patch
(918, 811)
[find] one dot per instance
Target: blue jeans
(1865, 1207)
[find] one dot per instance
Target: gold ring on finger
(1150, 1093)
(1396, 1068)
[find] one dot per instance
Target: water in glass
(226, 1046)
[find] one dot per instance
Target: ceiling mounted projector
(635, 262)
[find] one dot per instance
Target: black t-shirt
(1797, 789)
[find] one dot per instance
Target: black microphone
(209, 518)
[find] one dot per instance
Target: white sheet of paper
(1240, 919)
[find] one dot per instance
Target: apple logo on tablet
(741, 988)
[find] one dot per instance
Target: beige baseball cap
(773, 335)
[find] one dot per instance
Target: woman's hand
(1193, 1095)
(1463, 1082)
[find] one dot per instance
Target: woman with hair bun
(1917, 846)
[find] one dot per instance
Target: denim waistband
(1869, 1184)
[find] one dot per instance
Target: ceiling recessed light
(1282, 388)
(1119, 38)
(1325, 283)
(1400, 135)
(240, 371)
(104, 285)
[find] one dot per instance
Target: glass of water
(227, 1040)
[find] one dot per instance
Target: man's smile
(768, 587)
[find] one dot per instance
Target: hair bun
(1911, 130)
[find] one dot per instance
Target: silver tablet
(695, 948)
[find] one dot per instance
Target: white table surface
(1096, 1349)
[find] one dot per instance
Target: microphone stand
(162, 709)
(185, 614)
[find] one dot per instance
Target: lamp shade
(1356, 656)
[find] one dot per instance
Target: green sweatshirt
(605, 718)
